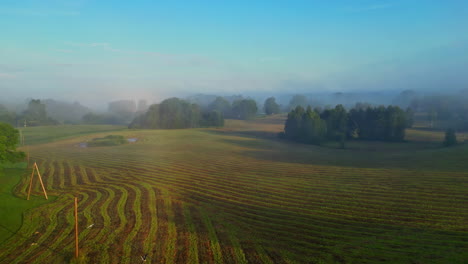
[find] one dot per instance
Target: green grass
(12, 206)
(239, 194)
(44, 134)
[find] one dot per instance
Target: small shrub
(111, 140)
(450, 138)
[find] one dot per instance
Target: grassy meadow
(238, 194)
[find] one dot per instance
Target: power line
(39, 244)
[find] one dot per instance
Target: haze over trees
(443, 111)
(298, 100)
(221, 105)
(120, 112)
(271, 107)
(64, 112)
(7, 116)
(123, 109)
(36, 115)
(142, 106)
(175, 113)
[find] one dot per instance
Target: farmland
(240, 195)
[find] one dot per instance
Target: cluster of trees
(337, 124)
(379, 123)
(175, 113)
(64, 112)
(244, 109)
(120, 112)
(441, 111)
(34, 115)
(444, 111)
(305, 126)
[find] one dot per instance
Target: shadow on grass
(369, 154)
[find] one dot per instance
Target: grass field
(11, 206)
(240, 195)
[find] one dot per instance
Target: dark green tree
(271, 107)
(244, 109)
(337, 121)
(378, 123)
(293, 125)
(450, 138)
(9, 139)
(305, 126)
(313, 128)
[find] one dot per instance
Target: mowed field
(240, 195)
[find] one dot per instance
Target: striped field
(239, 195)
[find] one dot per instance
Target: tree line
(176, 113)
(241, 108)
(34, 115)
(338, 124)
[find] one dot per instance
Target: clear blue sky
(86, 49)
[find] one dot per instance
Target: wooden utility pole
(35, 168)
(76, 227)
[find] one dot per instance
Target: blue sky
(89, 49)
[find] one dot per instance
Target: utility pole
(76, 227)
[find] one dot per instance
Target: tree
(221, 105)
(378, 123)
(7, 116)
(337, 120)
(450, 138)
(271, 107)
(292, 127)
(36, 115)
(174, 113)
(9, 138)
(305, 126)
(244, 109)
(313, 128)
